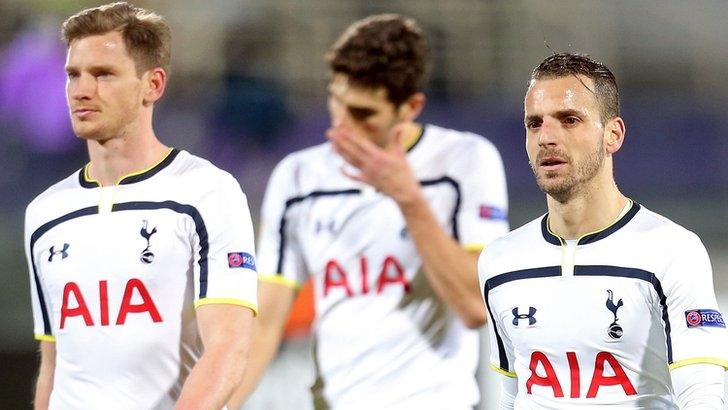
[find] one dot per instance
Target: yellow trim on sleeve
(280, 280)
(474, 247)
(707, 360)
(228, 301)
(45, 338)
(503, 372)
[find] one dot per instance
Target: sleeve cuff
(45, 338)
(474, 247)
(228, 301)
(706, 360)
(280, 280)
(503, 372)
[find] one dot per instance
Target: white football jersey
(603, 319)
(116, 273)
(382, 337)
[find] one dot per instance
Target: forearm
(275, 303)
(699, 386)
(226, 332)
(450, 269)
(263, 350)
(213, 379)
(46, 372)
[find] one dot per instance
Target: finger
(356, 176)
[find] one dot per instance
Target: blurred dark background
(248, 86)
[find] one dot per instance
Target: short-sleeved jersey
(601, 320)
(382, 337)
(116, 273)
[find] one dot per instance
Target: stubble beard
(563, 188)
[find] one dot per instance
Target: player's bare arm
(274, 301)
(226, 333)
(44, 384)
(451, 270)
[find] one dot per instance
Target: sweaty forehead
(560, 94)
(100, 45)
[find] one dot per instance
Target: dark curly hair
(386, 50)
(569, 64)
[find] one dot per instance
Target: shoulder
(461, 142)
(516, 250)
(663, 233)
(196, 174)
(307, 159)
(53, 199)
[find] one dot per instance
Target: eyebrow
(99, 67)
(350, 107)
(560, 114)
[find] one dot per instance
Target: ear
(614, 133)
(155, 81)
(409, 110)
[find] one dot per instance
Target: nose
(82, 87)
(548, 134)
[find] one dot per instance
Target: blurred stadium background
(248, 86)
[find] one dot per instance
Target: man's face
(366, 111)
(103, 89)
(564, 134)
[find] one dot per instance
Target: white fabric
(107, 356)
(644, 267)
(699, 386)
(378, 345)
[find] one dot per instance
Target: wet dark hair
(569, 64)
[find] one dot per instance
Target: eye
(571, 120)
(533, 124)
(71, 75)
(103, 74)
(360, 114)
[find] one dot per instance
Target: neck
(114, 158)
(594, 208)
(411, 133)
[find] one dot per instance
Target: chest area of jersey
(578, 312)
(149, 245)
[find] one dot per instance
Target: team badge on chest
(614, 331)
(147, 256)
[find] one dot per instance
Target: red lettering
(334, 276)
(385, 279)
(364, 275)
(81, 310)
(147, 304)
(549, 379)
(599, 379)
(104, 303)
(574, 371)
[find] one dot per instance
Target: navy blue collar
(554, 239)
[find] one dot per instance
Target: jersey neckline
(87, 182)
(592, 237)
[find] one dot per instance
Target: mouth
(551, 163)
(83, 113)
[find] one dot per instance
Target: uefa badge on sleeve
(241, 260)
(704, 318)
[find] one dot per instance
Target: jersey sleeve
(483, 212)
(502, 359)
(42, 328)
(280, 257)
(225, 270)
(697, 328)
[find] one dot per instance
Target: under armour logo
(530, 316)
(324, 226)
(614, 331)
(147, 256)
(63, 252)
